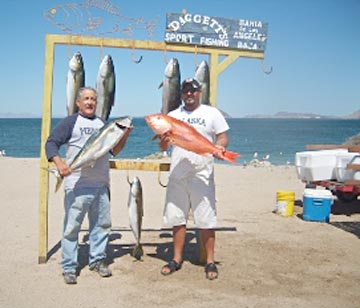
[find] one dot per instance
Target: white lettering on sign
(178, 37)
(197, 29)
(250, 23)
(198, 19)
(213, 42)
(249, 36)
(244, 45)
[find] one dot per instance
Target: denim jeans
(78, 202)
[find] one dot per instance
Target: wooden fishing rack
(51, 40)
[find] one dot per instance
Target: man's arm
(221, 143)
(61, 166)
(222, 139)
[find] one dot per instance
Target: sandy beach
(264, 259)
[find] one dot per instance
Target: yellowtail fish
(202, 74)
(105, 88)
(171, 97)
(97, 145)
(136, 213)
(75, 80)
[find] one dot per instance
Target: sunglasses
(191, 90)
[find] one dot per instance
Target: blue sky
(313, 47)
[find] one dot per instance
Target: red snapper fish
(185, 136)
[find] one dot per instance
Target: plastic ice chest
(317, 204)
(343, 174)
(317, 165)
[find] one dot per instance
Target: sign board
(203, 30)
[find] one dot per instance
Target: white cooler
(343, 174)
(317, 165)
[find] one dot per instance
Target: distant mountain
(299, 115)
(354, 115)
(279, 115)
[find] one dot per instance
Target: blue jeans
(78, 202)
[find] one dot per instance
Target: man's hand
(219, 152)
(61, 166)
(164, 141)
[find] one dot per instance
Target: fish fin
(59, 178)
(160, 85)
(231, 156)
(54, 171)
(137, 252)
(58, 183)
(155, 137)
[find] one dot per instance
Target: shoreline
(258, 164)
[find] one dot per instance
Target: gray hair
(82, 89)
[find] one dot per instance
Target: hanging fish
(105, 88)
(75, 80)
(171, 96)
(136, 213)
(203, 76)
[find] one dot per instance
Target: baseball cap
(190, 83)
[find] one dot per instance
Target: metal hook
(101, 49)
(165, 56)
(159, 180)
(133, 57)
(128, 177)
(264, 70)
(68, 48)
(196, 57)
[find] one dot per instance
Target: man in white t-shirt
(191, 181)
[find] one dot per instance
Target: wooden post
(45, 131)
(201, 247)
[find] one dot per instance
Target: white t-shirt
(209, 122)
(92, 176)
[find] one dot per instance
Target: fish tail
(231, 156)
(59, 178)
(137, 252)
(59, 181)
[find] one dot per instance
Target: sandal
(211, 271)
(172, 266)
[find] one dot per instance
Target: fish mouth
(123, 123)
(121, 126)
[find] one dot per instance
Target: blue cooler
(317, 204)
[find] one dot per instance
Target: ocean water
(278, 138)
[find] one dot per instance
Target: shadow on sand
(163, 250)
